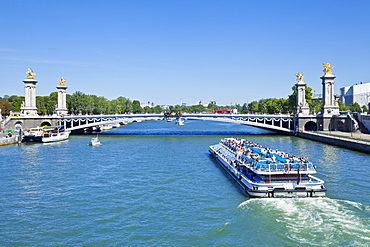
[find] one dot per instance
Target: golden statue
(299, 77)
(61, 81)
(30, 74)
(327, 68)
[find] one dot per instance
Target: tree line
(80, 103)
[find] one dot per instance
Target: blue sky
(168, 51)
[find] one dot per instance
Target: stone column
(302, 108)
(329, 105)
(29, 105)
(62, 98)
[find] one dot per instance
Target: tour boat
(46, 134)
(94, 141)
(263, 172)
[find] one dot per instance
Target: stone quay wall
(9, 140)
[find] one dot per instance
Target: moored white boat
(33, 135)
(46, 134)
(55, 133)
(262, 172)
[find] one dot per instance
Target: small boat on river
(180, 121)
(263, 172)
(94, 141)
(46, 134)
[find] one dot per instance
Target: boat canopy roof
(53, 127)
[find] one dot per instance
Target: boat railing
(264, 165)
(272, 162)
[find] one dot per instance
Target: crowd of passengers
(243, 147)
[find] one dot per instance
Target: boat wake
(315, 221)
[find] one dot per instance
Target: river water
(154, 184)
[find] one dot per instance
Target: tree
(354, 107)
(342, 107)
(243, 109)
(148, 109)
(5, 107)
(16, 102)
(157, 109)
(212, 106)
(42, 105)
(136, 106)
(316, 105)
(253, 107)
(364, 108)
(196, 108)
(78, 102)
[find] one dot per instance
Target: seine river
(154, 184)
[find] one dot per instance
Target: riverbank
(355, 141)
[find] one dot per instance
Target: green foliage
(253, 107)
(243, 109)
(136, 108)
(157, 109)
(196, 108)
(268, 106)
(212, 106)
(5, 107)
(16, 102)
(316, 106)
(342, 107)
(364, 108)
(181, 108)
(354, 107)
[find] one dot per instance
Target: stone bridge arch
(45, 123)
(310, 126)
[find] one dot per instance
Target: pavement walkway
(348, 135)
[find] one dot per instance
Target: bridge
(328, 119)
(278, 123)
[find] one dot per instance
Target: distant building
(359, 93)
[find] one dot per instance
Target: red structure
(224, 111)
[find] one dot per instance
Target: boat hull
(59, 137)
(255, 189)
(32, 139)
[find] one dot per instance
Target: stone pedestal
(62, 101)
(324, 123)
(329, 105)
(29, 106)
(302, 107)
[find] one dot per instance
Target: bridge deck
(261, 121)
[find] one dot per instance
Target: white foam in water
(316, 221)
